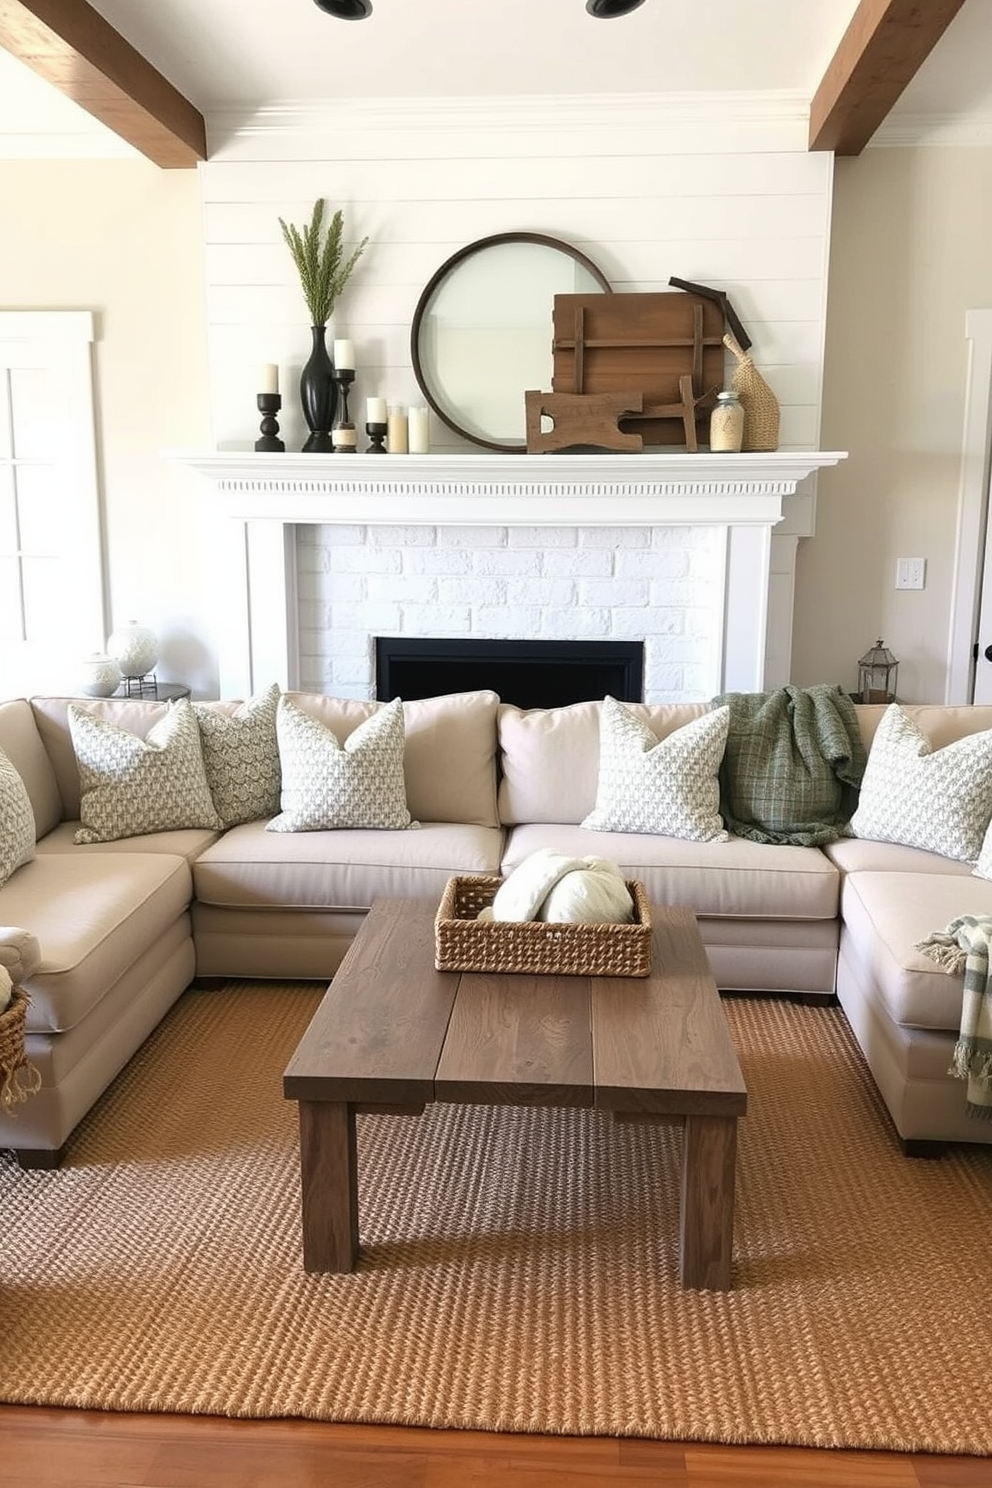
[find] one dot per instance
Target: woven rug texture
(518, 1267)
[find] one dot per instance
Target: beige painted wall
(124, 239)
(911, 253)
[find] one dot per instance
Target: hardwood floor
(45, 1448)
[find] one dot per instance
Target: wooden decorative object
(646, 343)
(586, 420)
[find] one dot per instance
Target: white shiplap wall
(720, 191)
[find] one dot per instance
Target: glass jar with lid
(727, 424)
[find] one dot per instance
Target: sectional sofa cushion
(669, 786)
(449, 758)
(130, 786)
(16, 821)
(250, 868)
(936, 799)
(137, 715)
(735, 880)
(329, 784)
(550, 756)
(22, 744)
(95, 915)
(241, 756)
(885, 916)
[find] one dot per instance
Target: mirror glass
(482, 331)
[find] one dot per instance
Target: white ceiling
(244, 54)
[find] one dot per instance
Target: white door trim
(970, 547)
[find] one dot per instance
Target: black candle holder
(269, 405)
(343, 435)
(377, 434)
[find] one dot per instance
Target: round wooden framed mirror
(482, 331)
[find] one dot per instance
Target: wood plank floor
(44, 1448)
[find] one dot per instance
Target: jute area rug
(519, 1267)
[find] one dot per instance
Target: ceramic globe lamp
(135, 649)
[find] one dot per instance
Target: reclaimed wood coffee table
(392, 1034)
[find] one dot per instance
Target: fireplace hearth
(529, 674)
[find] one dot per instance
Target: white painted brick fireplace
(326, 553)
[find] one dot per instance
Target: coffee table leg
(329, 1182)
(709, 1160)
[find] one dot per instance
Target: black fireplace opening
(529, 674)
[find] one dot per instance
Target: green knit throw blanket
(964, 947)
(792, 766)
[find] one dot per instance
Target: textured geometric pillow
(241, 755)
(327, 786)
(913, 794)
(16, 821)
(667, 786)
(129, 785)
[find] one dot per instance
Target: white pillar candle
(375, 410)
(397, 435)
(268, 378)
(419, 422)
(344, 356)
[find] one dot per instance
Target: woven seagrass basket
(462, 943)
(18, 1076)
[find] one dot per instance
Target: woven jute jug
(761, 411)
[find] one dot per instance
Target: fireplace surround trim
(267, 496)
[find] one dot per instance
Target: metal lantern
(877, 672)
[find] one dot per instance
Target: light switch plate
(911, 573)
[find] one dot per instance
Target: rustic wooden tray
(644, 343)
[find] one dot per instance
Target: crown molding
(518, 114)
(902, 131)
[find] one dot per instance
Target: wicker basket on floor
(463, 943)
(18, 1076)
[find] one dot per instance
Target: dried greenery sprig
(322, 274)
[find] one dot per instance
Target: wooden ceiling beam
(72, 47)
(883, 47)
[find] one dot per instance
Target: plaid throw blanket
(964, 946)
(792, 766)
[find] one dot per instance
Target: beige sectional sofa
(105, 936)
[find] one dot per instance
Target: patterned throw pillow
(16, 821)
(328, 786)
(241, 755)
(913, 794)
(668, 786)
(130, 785)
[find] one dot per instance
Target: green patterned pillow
(669, 787)
(936, 799)
(130, 785)
(16, 821)
(327, 786)
(241, 755)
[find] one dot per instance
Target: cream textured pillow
(667, 786)
(913, 794)
(16, 821)
(328, 786)
(129, 786)
(241, 755)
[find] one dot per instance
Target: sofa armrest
(20, 953)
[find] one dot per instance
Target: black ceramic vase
(318, 394)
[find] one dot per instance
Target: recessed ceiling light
(605, 10)
(346, 10)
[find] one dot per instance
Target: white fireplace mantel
(268, 495)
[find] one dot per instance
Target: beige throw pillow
(129, 786)
(241, 755)
(16, 821)
(327, 786)
(936, 799)
(668, 787)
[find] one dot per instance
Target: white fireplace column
(265, 497)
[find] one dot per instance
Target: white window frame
(61, 341)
